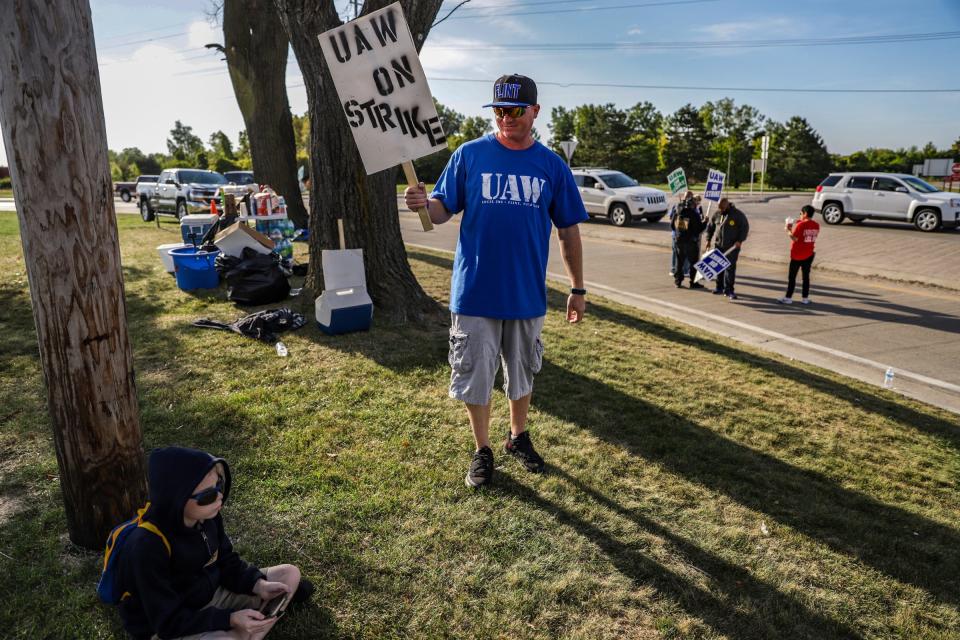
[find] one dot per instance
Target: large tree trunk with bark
(341, 187)
(256, 49)
(55, 136)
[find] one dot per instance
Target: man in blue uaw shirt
(512, 191)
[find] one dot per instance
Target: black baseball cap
(513, 91)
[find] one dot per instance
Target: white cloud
(146, 91)
(755, 28)
(635, 31)
(202, 32)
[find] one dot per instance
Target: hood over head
(174, 472)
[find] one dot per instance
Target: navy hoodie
(169, 591)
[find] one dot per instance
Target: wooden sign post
(384, 92)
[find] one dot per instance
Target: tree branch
(449, 14)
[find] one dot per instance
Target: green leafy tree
(688, 142)
(183, 143)
(222, 164)
(733, 128)
(642, 155)
(474, 127)
(561, 128)
(798, 157)
(220, 145)
(450, 119)
(301, 133)
(200, 161)
(955, 150)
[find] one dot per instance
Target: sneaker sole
(474, 485)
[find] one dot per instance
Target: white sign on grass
(383, 89)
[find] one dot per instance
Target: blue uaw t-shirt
(510, 200)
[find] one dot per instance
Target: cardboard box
(232, 240)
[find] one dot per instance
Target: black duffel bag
(254, 278)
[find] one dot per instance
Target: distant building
(4, 173)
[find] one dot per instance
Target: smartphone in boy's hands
(272, 607)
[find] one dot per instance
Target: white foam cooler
(344, 305)
(165, 257)
(197, 225)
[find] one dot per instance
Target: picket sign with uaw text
(384, 92)
(712, 264)
(678, 181)
(714, 186)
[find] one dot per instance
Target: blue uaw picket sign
(712, 264)
(714, 186)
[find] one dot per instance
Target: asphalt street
(857, 325)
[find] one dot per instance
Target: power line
(710, 44)
(704, 88)
(663, 3)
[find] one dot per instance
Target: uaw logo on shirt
(511, 189)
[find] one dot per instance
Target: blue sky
(154, 69)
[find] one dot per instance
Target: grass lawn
(781, 501)
(6, 193)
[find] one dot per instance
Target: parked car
(180, 192)
(617, 196)
(239, 177)
(128, 190)
(886, 196)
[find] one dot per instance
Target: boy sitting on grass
(200, 588)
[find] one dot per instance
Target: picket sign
(712, 264)
(384, 93)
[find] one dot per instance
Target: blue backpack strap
(106, 588)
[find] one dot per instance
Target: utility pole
(51, 114)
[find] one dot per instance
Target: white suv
(886, 196)
(617, 196)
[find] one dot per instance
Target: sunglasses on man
(513, 112)
(209, 495)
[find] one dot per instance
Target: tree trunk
(256, 50)
(341, 187)
(54, 132)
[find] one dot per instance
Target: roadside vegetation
(695, 488)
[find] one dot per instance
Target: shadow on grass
(863, 398)
(903, 545)
(745, 607)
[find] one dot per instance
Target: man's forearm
(438, 212)
(571, 251)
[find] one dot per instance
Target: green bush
(6, 183)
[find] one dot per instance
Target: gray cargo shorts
(479, 345)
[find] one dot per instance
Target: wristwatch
(578, 292)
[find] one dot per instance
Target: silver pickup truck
(180, 192)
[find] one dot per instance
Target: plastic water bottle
(888, 378)
(282, 206)
(282, 350)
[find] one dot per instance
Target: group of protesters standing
(727, 230)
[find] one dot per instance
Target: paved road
(857, 326)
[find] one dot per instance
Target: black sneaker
(696, 285)
(522, 449)
(481, 468)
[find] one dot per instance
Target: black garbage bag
(262, 325)
(254, 278)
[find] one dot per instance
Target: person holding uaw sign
(511, 190)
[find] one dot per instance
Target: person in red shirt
(803, 235)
